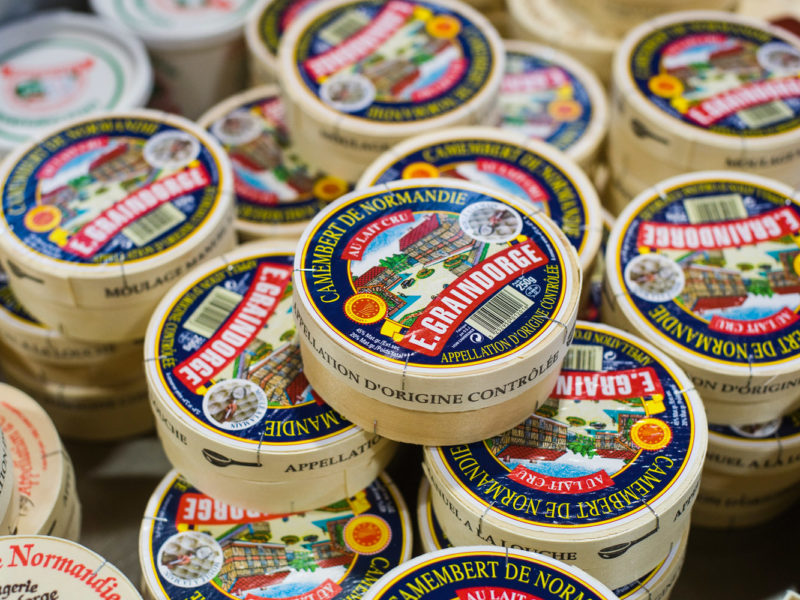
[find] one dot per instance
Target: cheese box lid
(527, 169)
(703, 265)
(62, 569)
(550, 96)
(60, 65)
(713, 78)
(662, 577)
(178, 24)
(111, 191)
(393, 68)
(486, 572)
(223, 363)
(415, 282)
(268, 22)
(621, 438)
(40, 462)
(191, 542)
(277, 191)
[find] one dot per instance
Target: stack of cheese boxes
(418, 199)
(436, 304)
(702, 157)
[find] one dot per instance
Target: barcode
(765, 114)
(499, 312)
(713, 209)
(584, 358)
(344, 27)
(153, 224)
(212, 312)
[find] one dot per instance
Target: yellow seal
(665, 86)
(443, 27)
(651, 434)
(329, 188)
(42, 218)
(420, 169)
(565, 110)
(365, 308)
(367, 534)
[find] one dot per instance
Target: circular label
(229, 359)
(721, 76)
(367, 534)
(327, 553)
(274, 185)
(276, 18)
(202, 17)
(710, 266)
(486, 574)
(614, 436)
(48, 81)
(509, 167)
(543, 100)
(394, 62)
(120, 189)
(466, 277)
(775, 430)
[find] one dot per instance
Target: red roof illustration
(431, 223)
(110, 155)
(296, 388)
(526, 453)
(335, 561)
(368, 276)
(621, 454)
(252, 582)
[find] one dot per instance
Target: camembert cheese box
(59, 65)
(230, 394)
(702, 90)
(101, 215)
(359, 76)
(190, 543)
(656, 584)
(277, 191)
(602, 476)
(474, 572)
(434, 310)
(703, 265)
